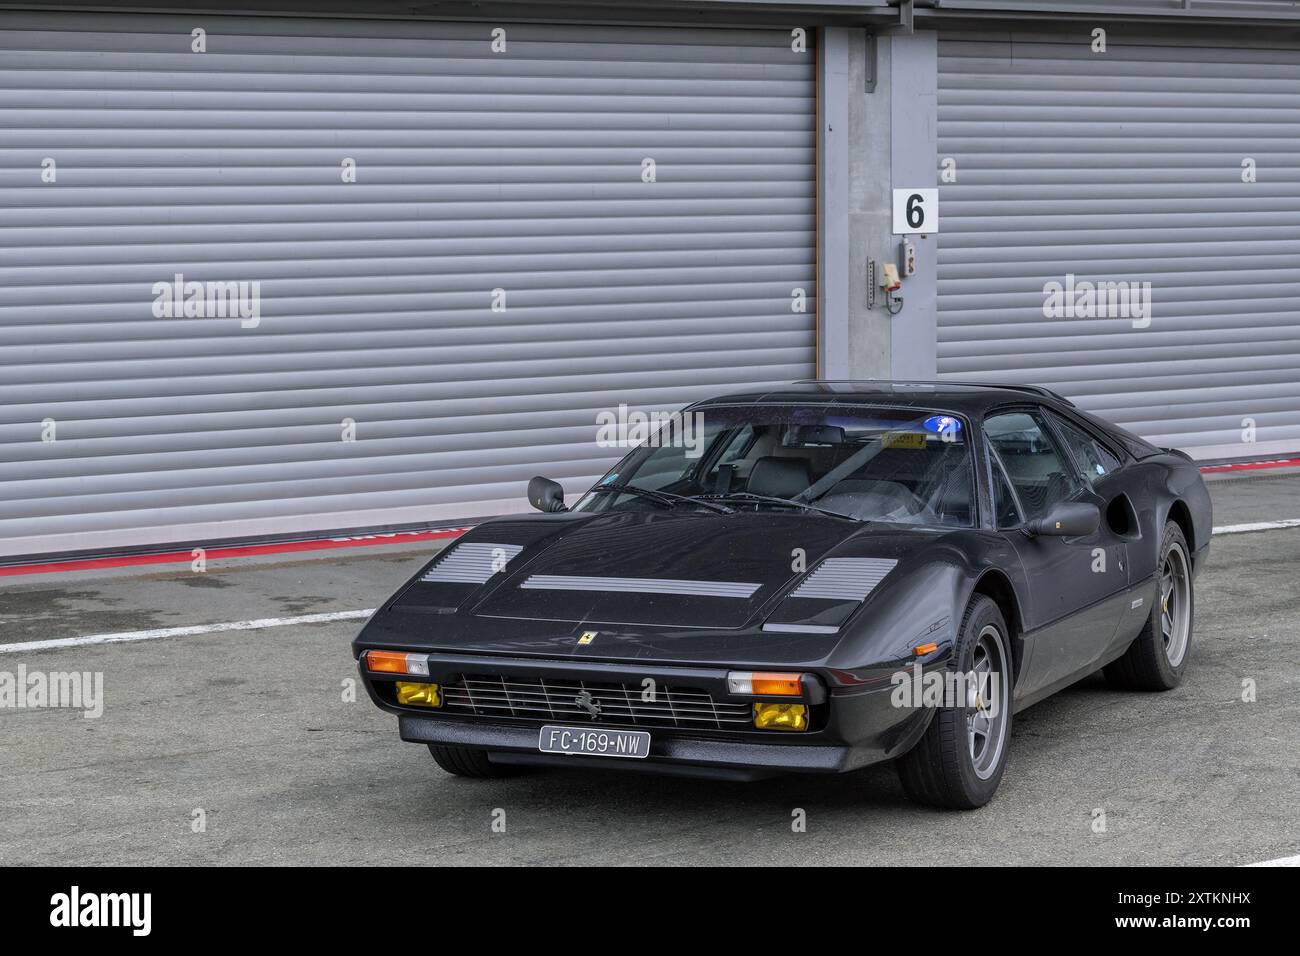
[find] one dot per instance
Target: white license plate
(593, 741)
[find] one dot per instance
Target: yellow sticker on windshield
(904, 440)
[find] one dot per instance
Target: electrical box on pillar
(889, 280)
(891, 283)
(907, 258)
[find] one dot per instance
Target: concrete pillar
(914, 104)
(890, 103)
(870, 329)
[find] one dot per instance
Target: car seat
(779, 477)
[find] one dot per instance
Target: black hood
(675, 570)
(503, 614)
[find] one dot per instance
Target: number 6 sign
(916, 210)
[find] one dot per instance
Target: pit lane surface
(249, 732)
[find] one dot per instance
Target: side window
(1036, 467)
(1004, 502)
(1108, 458)
(1094, 458)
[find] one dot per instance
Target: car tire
(948, 767)
(1157, 658)
(468, 762)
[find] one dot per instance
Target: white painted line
(1282, 861)
(125, 636)
(1257, 526)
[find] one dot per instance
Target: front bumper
(857, 723)
(670, 753)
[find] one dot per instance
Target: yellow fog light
(418, 695)
(781, 716)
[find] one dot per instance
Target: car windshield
(891, 465)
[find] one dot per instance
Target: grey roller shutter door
(1127, 166)
(475, 171)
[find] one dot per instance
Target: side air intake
(844, 579)
(471, 563)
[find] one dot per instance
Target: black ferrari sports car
(812, 579)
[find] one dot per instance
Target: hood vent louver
(471, 562)
(568, 582)
(844, 579)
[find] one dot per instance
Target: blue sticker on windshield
(609, 479)
(942, 425)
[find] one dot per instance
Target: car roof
(960, 397)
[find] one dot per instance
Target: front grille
(543, 700)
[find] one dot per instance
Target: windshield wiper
(773, 500)
(665, 498)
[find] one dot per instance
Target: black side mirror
(1069, 519)
(546, 495)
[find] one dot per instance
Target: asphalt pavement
(248, 747)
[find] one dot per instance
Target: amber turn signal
(922, 649)
(396, 662)
(765, 684)
(386, 662)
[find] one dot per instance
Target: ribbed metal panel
(844, 579)
(1173, 9)
(1127, 166)
(475, 171)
